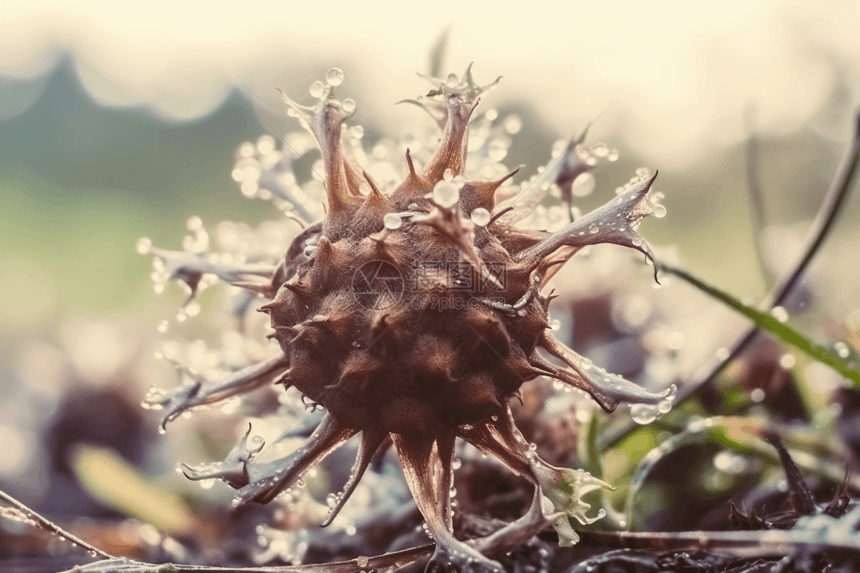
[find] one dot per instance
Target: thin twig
(394, 560)
(47, 525)
(837, 194)
(740, 543)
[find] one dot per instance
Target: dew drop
(144, 245)
(555, 325)
(612, 155)
(659, 211)
(594, 229)
(757, 395)
(448, 175)
(348, 105)
(317, 89)
(637, 241)
(779, 313)
(362, 561)
(583, 185)
(513, 124)
(787, 360)
(643, 413)
(480, 216)
(311, 251)
(842, 349)
(192, 308)
(162, 326)
(446, 194)
(392, 221)
(194, 223)
(334, 77)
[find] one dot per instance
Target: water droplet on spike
(144, 245)
(643, 413)
(583, 185)
(446, 194)
(317, 88)
(480, 216)
(779, 313)
(594, 229)
(334, 77)
(348, 105)
(392, 221)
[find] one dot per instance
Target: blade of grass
(771, 324)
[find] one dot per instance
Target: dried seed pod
(402, 317)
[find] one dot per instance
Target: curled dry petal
(562, 171)
(233, 468)
(267, 480)
(370, 442)
(199, 392)
(615, 222)
(607, 389)
(426, 462)
(190, 267)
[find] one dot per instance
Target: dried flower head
(414, 315)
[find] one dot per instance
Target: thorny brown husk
(354, 308)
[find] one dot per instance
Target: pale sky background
(676, 75)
